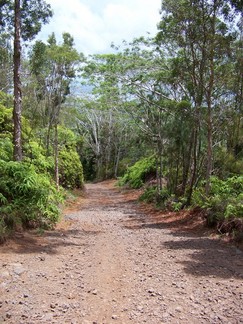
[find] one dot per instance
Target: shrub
(34, 154)
(149, 195)
(137, 174)
(6, 149)
(2, 230)
(6, 124)
(227, 164)
(224, 202)
(27, 197)
(70, 169)
(153, 195)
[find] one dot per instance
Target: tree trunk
(160, 166)
(194, 166)
(117, 160)
(56, 158)
(187, 156)
(17, 85)
(209, 108)
(209, 150)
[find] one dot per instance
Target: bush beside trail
(27, 198)
(222, 208)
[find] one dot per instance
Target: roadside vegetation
(163, 113)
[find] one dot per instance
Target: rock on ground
(109, 261)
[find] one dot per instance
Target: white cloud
(95, 24)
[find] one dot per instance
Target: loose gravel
(107, 262)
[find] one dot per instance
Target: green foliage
(149, 195)
(225, 200)
(226, 164)
(70, 168)
(6, 124)
(6, 149)
(6, 128)
(33, 15)
(35, 155)
(27, 197)
(5, 99)
(153, 195)
(176, 204)
(66, 137)
(137, 174)
(3, 230)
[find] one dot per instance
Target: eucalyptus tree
(135, 79)
(199, 41)
(17, 111)
(110, 132)
(163, 109)
(99, 125)
(235, 144)
(23, 20)
(145, 81)
(54, 67)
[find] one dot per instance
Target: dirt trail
(111, 261)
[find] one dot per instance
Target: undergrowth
(137, 174)
(27, 198)
(224, 204)
(223, 207)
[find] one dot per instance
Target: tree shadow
(200, 254)
(49, 242)
(206, 256)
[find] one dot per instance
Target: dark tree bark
(17, 84)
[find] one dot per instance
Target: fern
(27, 195)
(225, 199)
(3, 200)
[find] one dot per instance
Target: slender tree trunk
(160, 166)
(209, 150)
(117, 160)
(194, 166)
(160, 149)
(186, 164)
(56, 157)
(17, 85)
(209, 110)
(157, 170)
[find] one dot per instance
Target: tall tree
(33, 13)
(109, 116)
(17, 84)
(199, 41)
(54, 66)
(28, 16)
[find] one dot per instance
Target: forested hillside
(164, 110)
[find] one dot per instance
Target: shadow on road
(206, 256)
(49, 242)
(200, 254)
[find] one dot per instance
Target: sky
(95, 24)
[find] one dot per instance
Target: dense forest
(163, 112)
